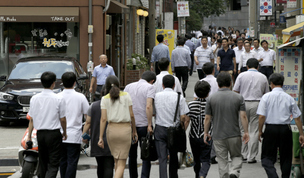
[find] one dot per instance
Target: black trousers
(105, 166)
(50, 142)
(69, 159)
(236, 74)
(201, 74)
(274, 137)
(157, 71)
(161, 137)
(192, 63)
(266, 70)
(182, 74)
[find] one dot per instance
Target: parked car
(24, 82)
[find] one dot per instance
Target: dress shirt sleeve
(183, 106)
(195, 53)
(242, 104)
(178, 86)
(262, 109)
(94, 72)
(241, 62)
(168, 53)
(153, 56)
(295, 109)
(85, 105)
(112, 71)
(172, 60)
(151, 92)
(90, 110)
(237, 85)
(62, 108)
(189, 60)
(208, 110)
(31, 110)
(274, 56)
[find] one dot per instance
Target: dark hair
(252, 63)
(246, 43)
(240, 39)
(276, 79)
(204, 37)
(208, 68)
(47, 79)
(112, 87)
(202, 89)
(160, 38)
(225, 39)
(257, 39)
(168, 81)
(234, 44)
(223, 79)
(264, 41)
(193, 35)
(219, 28)
(219, 40)
(148, 76)
(219, 34)
(163, 64)
(181, 42)
(243, 34)
(188, 36)
(237, 31)
(68, 79)
(249, 39)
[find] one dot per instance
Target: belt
(252, 100)
(267, 66)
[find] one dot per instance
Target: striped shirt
(197, 116)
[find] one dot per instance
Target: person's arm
(211, 57)
(168, 54)
(299, 125)
(103, 122)
(206, 128)
(196, 61)
(274, 57)
(261, 124)
(187, 121)
(134, 132)
(86, 127)
(30, 130)
(93, 81)
(240, 64)
(112, 72)
(149, 112)
(63, 125)
(189, 60)
(234, 64)
(218, 62)
(172, 61)
(244, 122)
(153, 57)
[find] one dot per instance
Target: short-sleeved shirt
(180, 58)
(46, 109)
(140, 91)
(190, 44)
(238, 53)
(245, 56)
(252, 85)
(212, 82)
(224, 106)
(101, 73)
(117, 111)
(160, 51)
(203, 55)
(165, 105)
(268, 57)
(159, 82)
(76, 106)
(226, 59)
(215, 54)
(258, 51)
(277, 106)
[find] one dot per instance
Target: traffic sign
(272, 24)
(266, 7)
(182, 9)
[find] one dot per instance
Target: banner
(291, 3)
(182, 9)
(271, 39)
(266, 7)
(168, 40)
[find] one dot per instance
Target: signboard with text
(183, 9)
(291, 3)
(266, 7)
(281, 1)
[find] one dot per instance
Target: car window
(34, 69)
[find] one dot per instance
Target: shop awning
(117, 7)
(292, 31)
(39, 14)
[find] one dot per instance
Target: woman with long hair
(116, 109)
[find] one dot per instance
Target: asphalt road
(11, 137)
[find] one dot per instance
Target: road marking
(9, 148)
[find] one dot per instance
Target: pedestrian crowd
(236, 96)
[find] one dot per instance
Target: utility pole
(151, 26)
(181, 25)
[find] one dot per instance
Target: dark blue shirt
(226, 59)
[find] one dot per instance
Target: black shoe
(213, 161)
(233, 176)
(252, 162)
(244, 160)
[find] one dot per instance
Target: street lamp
(140, 12)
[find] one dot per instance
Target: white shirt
(245, 56)
(76, 106)
(187, 47)
(238, 53)
(46, 109)
(215, 54)
(268, 57)
(212, 82)
(165, 105)
(159, 82)
(258, 51)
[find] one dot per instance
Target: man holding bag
(165, 107)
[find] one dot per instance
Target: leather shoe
(252, 161)
(233, 176)
(213, 161)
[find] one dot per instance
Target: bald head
(103, 59)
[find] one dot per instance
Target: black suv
(24, 82)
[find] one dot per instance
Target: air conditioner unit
(129, 2)
(108, 41)
(108, 21)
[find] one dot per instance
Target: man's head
(237, 32)
(243, 35)
(220, 28)
(204, 41)
(210, 27)
(264, 44)
(181, 42)
(188, 36)
(48, 79)
(256, 43)
(247, 47)
(160, 38)
(250, 40)
(219, 42)
(252, 63)
(276, 80)
(163, 64)
(68, 79)
(202, 89)
(208, 68)
(149, 76)
(245, 30)
(216, 35)
(225, 42)
(103, 59)
(168, 81)
(224, 80)
(240, 43)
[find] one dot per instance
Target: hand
(261, 60)
(260, 136)
(152, 68)
(218, 68)
(26, 140)
(246, 138)
(135, 137)
(91, 89)
(239, 71)
(196, 62)
(234, 71)
(205, 137)
(301, 140)
(101, 143)
(86, 141)
(150, 130)
(64, 136)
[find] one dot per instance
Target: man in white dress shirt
(47, 114)
(247, 54)
(238, 51)
(257, 48)
(77, 106)
(267, 58)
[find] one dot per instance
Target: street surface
(11, 137)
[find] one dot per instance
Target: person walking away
(76, 107)
(247, 54)
(181, 63)
(47, 114)
(238, 52)
(201, 151)
(163, 65)
(104, 159)
(159, 51)
(191, 45)
(142, 94)
(215, 48)
(100, 73)
(274, 112)
(202, 55)
(225, 107)
(116, 109)
(267, 58)
(252, 85)
(165, 105)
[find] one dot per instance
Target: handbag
(148, 148)
(188, 157)
(176, 134)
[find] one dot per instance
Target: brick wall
(133, 75)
